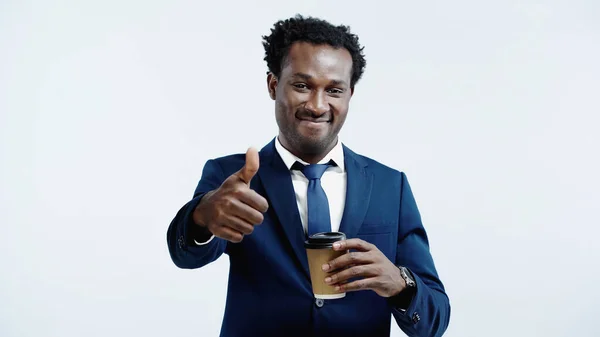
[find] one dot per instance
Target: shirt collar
(336, 154)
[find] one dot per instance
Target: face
(312, 96)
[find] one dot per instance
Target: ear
(272, 85)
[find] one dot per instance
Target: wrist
(401, 285)
(199, 210)
(408, 280)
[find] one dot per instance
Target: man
(257, 208)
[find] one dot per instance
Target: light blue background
(109, 110)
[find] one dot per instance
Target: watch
(407, 276)
(403, 300)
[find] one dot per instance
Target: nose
(317, 103)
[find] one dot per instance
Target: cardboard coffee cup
(319, 248)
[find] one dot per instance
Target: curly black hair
(316, 31)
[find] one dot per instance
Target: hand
(375, 270)
(232, 210)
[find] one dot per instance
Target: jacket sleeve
(428, 313)
(184, 251)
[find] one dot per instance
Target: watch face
(407, 277)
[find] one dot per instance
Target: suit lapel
(277, 182)
(358, 193)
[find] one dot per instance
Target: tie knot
(312, 171)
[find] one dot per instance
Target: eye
(336, 91)
(301, 86)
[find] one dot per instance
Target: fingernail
(337, 288)
(325, 267)
(327, 280)
(336, 245)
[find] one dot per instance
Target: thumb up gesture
(232, 210)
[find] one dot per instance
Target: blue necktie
(319, 218)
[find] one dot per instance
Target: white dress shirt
(333, 182)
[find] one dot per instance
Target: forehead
(318, 61)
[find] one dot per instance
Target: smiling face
(312, 95)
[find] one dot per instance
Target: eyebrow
(307, 77)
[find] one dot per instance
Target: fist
(232, 210)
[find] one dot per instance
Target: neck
(311, 158)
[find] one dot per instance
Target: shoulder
(231, 163)
(228, 163)
(384, 176)
(374, 165)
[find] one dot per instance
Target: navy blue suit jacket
(269, 291)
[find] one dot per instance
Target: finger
(357, 244)
(254, 200)
(352, 258)
(366, 270)
(247, 172)
(228, 234)
(362, 284)
(238, 225)
(245, 212)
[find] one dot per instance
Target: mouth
(313, 121)
(314, 124)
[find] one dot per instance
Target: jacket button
(319, 302)
(416, 318)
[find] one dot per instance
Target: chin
(314, 145)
